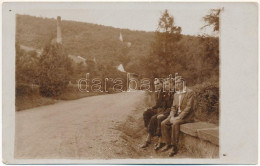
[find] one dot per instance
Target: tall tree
(211, 46)
(165, 48)
(55, 70)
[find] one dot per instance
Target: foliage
(206, 103)
(159, 53)
(87, 40)
(201, 63)
(194, 58)
(54, 70)
(212, 19)
(26, 66)
(165, 48)
(163, 52)
(26, 89)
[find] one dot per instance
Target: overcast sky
(134, 16)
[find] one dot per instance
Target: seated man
(181, 112)
(158, 97)
(163, 108)
(166, 112)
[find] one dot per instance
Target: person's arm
(188, 107)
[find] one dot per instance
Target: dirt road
(98, 127)
(84, 128)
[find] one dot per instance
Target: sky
(135, 16)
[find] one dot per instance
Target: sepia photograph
(114, 80)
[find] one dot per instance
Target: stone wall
(201, 139)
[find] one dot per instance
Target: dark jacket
(164, 100)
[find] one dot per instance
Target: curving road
(83, 128)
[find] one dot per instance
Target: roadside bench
(201, 139)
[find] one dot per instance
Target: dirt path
(74, 129)
(98, 127)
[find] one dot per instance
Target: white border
(154, 161)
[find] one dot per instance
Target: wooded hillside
(102, 42)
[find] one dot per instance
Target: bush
(206, 103)
(26, 90)
(54, 70)
(26, 66)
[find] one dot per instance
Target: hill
(199, 59)
(86, 40)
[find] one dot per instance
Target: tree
(211, 45)
(212, 19)
(165, 49)
(26, 66)
(55, 69)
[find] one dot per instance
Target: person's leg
(165, 127)
(160, 118)
(165, 138)
(147, 142)
(177, 132)
(147, 116)
(152, 126)
(175, 136)
(151, 130)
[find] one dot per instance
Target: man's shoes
(146, 144)
(166, 148)
(159, 146)
(173, 152)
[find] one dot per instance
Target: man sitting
(162, 107)
(166, 111)
(158, 98)
(181, 112)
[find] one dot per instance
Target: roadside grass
(72, 93)
(33, 99)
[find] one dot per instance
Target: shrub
(54, 70)
(26, 66)
(26, 90)
(206, 103)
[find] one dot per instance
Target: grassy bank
(30, 101)
(27, 98)
(73, 93)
